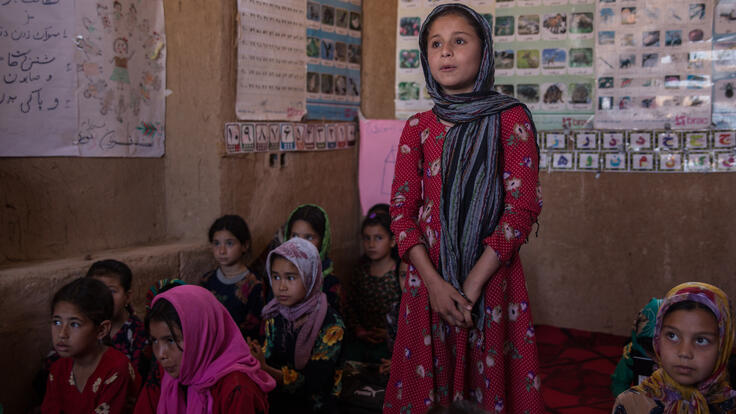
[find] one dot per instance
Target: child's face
(304, 230)
(72, 332)
(121, 47)
(377, 242)
(120, 296)
(168, 347)
(226, 248)
(287, 285)
(453, 53)
(688, 345)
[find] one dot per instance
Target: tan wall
(199, 35)
(608, 244)
(265, 196)
(58, 207)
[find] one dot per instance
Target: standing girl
(373, 289)
(232, 282)
(207, 364)
(465, 328)
(303, 333)
(90, 376)
(693, 338)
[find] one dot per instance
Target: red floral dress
(433, 362)
(112, 388)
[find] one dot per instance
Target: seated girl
(90, 376)
(693, 339)
(372, 290)
(638, 352)
(232, 282)
(127, 331)
(206, 362)
(303, 333)
(310, 222)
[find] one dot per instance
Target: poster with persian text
(653, 64)
(334, 30)
(38, 111)
(82, 78)
(271, 62)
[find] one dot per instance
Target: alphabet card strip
(647, 151)
(246, 137)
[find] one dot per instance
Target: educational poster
(544, 57)
(377, 160)
(334, 53)
(247, 137)
(271, 76)
(82, 78)
(411, 92)
(653, 64)
(724, 64)
(38, 111)
(121, 73)
(638, 151)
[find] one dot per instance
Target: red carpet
(576, 368)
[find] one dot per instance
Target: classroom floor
(576, 368)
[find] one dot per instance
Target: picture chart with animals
(598, 64)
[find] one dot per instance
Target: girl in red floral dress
(464, 198)
(90, 377)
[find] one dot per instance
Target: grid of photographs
(247, 137)
(333, 59)
(651, 151)
(653, 64)
(545, 58)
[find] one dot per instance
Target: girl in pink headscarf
(208, 366)
(303, 333)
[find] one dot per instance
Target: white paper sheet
(271, 60)
(38, 112)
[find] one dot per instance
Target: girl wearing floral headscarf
(303, 333)
(693, 339)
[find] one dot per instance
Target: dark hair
(275, 256)
(110, 267)
(235, 225)
(379, 208)
(451, 11)
(312, 215)
(164, 311)
(91, 297)
(688, 305)
(379, 218)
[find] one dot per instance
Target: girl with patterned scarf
(304, 333)
(464, 198)
(693, 339)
